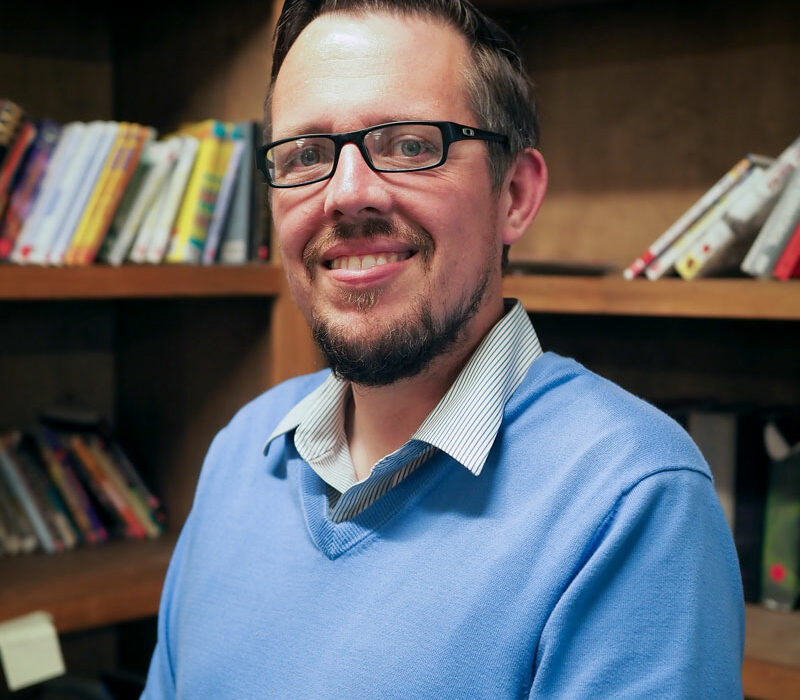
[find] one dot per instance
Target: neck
(379, 420)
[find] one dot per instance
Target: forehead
(347, 71)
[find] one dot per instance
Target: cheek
(294, 226)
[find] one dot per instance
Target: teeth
(364, 262)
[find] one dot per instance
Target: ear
(522, 194)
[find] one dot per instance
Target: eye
(410, 148)
(308, 156)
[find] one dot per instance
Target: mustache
(415, 236)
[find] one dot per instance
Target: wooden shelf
(138, 282)
(88, 587)
(708, 298)
(771, 666)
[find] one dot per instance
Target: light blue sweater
(590, 559)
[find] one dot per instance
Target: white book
(689, 217)
(776, 231)
(153, 236)
(103, 139)
(751, 211)
(47, 198)
(667, 260)
(63, 194)
(222, 207)
(161, 155)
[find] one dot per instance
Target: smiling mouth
(365, 262)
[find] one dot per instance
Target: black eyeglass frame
(451, 132)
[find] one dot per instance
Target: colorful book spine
(788, 264)
(28, 185)
(689, 217)
(14, 160)
(198, 202)
(17, 484)
(90, 211)
(133, 528)
(780, 584)
(775, 233)
(666, 261)
(112, 195)
(223, 205)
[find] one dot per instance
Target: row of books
(114, 192)
(60, 489)
(754, 455)
(747, 223)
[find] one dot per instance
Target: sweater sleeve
(655, 610)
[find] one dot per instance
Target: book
(689, 217)
(715, 432)
(64, 196)
(98, 145)
(788, 264)
(11, 117)
(20, 537)
(28, 184)
(667, 260)
(48, 497)
(117, 171)
(781, 563)
(222, 209)
(121, 174)
(153, 238)
(161, 156)
(50, 191)
(775, 233)
(13, 161)
(235, 246)
(62, 475)
(751, 209)
(18, 485)
(105, 486)
(197, 206)
(126, 203)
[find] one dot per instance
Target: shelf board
(138, 281)
(707, 298)
(90, 586)
(771, 666)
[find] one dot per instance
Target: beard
(406, 346)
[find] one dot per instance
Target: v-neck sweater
(590, 558)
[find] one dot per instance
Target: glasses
(396, 147)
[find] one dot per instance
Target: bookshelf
(142, 344)
(171, 352)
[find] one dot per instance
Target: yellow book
(211, 134)
(85, 222)
(121, 172)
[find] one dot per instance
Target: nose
(355, 191)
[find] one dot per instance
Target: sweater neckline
(334, 539)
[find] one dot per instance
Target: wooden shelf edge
(18, 283)
(764, 680)
(707, 298)
(89, 587)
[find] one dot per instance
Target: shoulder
(595, 428)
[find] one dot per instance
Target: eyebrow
(314, 128)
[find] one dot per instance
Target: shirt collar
(463, 424)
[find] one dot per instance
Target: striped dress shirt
(463, 424)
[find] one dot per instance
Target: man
(450, 513)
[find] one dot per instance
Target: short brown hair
(499, 90)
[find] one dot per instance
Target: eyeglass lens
(392, 148)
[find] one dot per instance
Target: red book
(788, 263)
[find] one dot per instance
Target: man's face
(379, 260)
